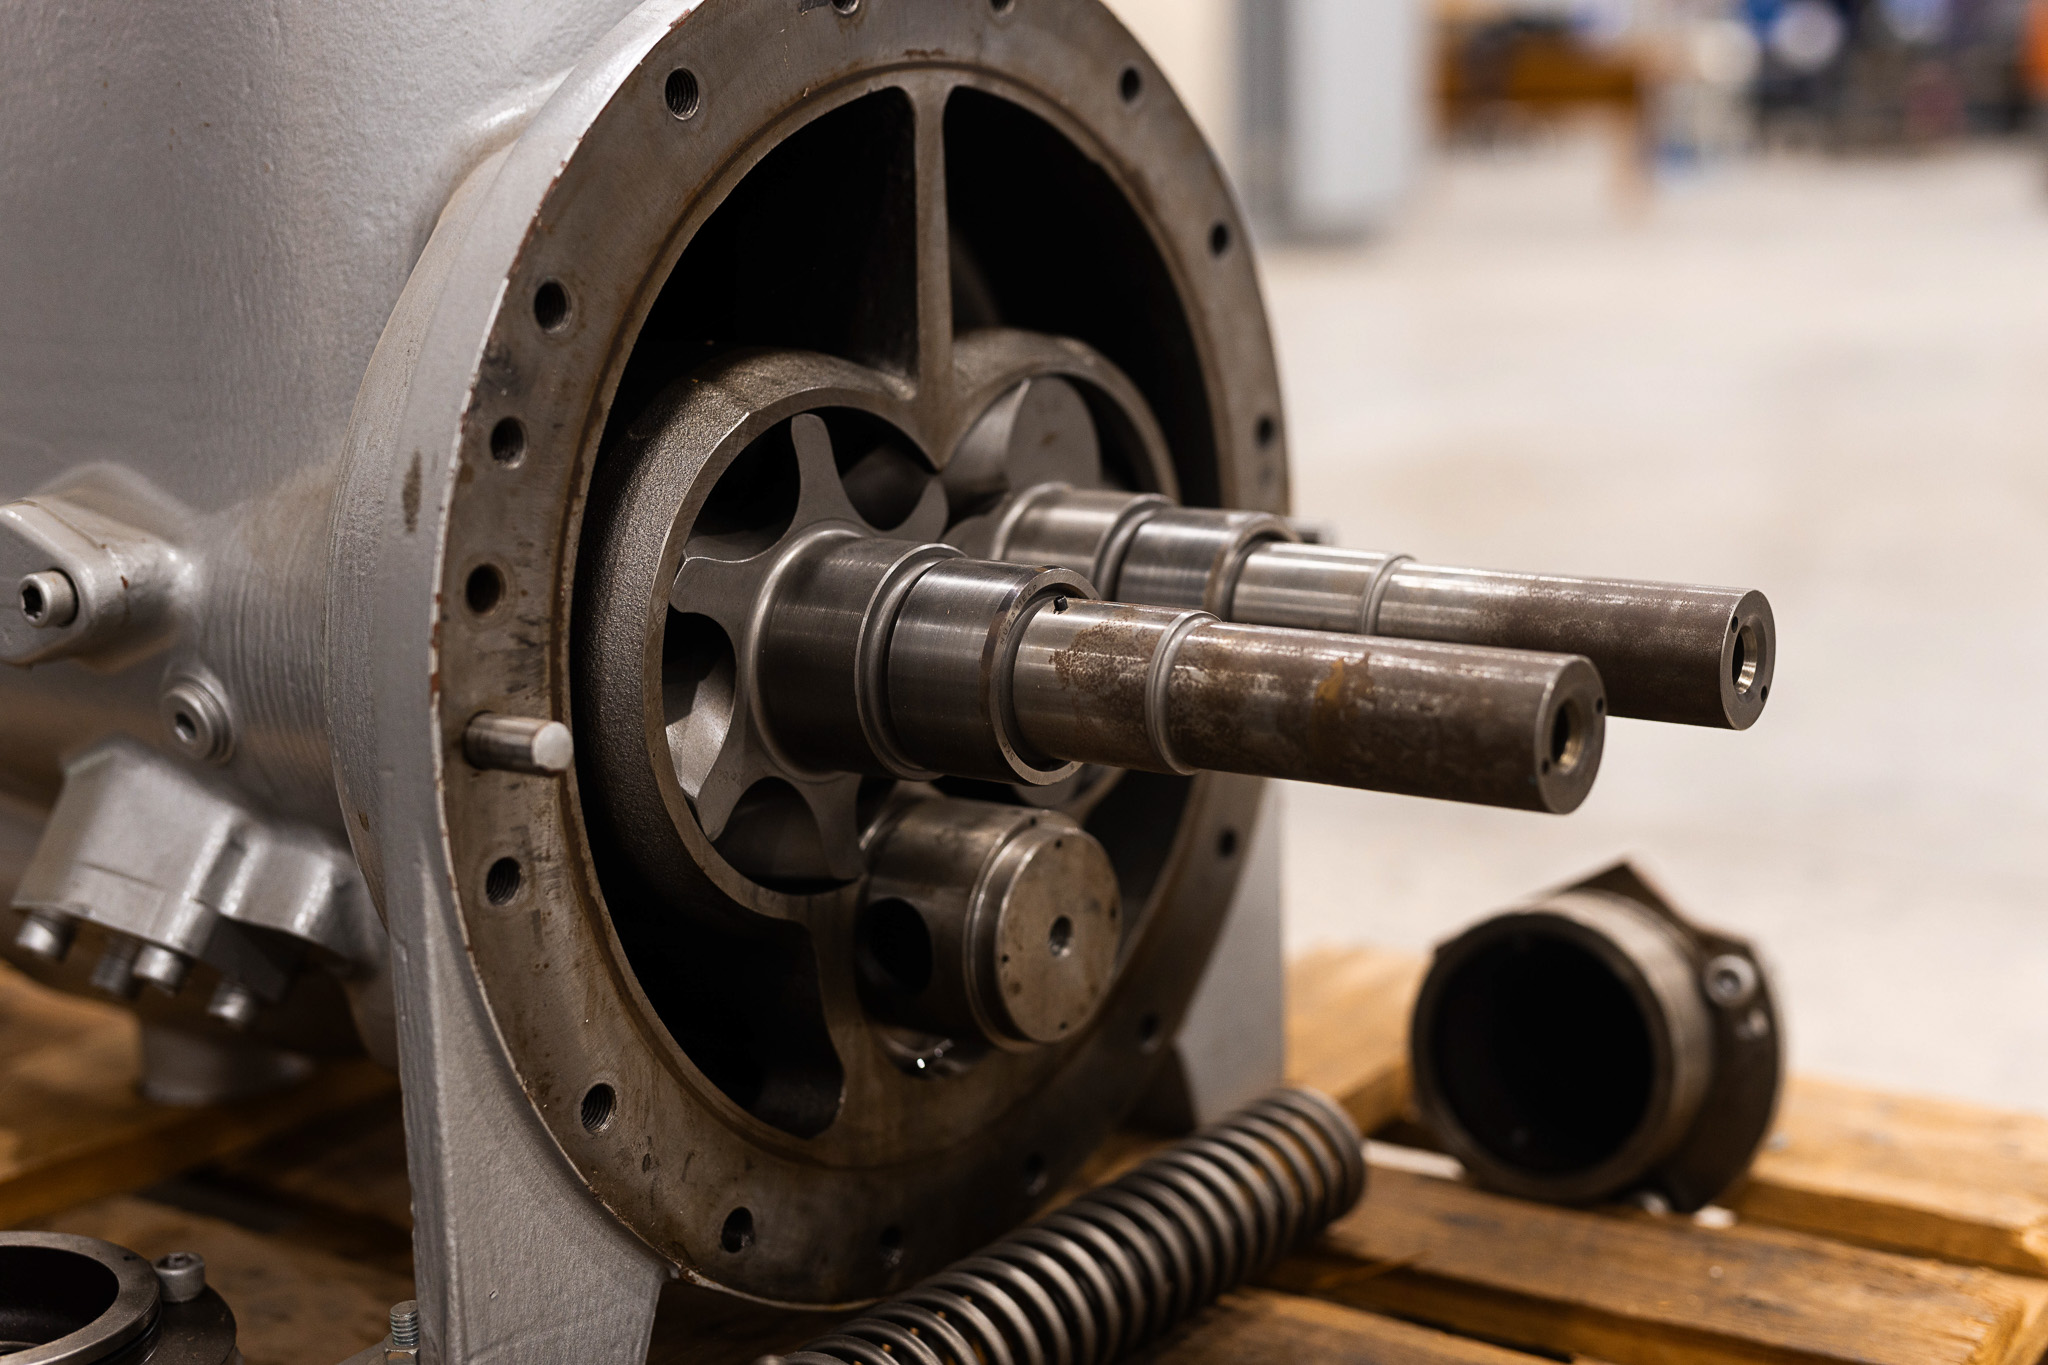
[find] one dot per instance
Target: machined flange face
(1039, 187)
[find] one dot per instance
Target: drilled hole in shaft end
(1567, 737)
(1745, 657)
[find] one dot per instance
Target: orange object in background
(2037, 49)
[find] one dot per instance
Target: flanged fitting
(1596, 1043)
(70, 1300)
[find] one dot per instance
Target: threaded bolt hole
(1034, 1175)
(599, 1102)
(1130, 85)
(891, 1244)
(501, 882)
(1219, 239)
(1148, 1033)
(1265, 432)
(484, 588)
(33, 603)
(508, 441)
(551, 306)
(681, 93)
(1226, 844)
(738, 1233)
(184, 727)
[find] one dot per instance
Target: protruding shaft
(1147, 687)
(909, 660)
(1666, 651)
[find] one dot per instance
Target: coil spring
(1121, 1264)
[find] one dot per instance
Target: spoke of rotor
(934, 259)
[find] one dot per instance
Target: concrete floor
(1828, 380)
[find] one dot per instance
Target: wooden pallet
(1874, 1229)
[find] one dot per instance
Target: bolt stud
(114, 973)
(519, 744)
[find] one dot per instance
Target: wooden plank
(1347, 1028)
(1260, 1325)
(293, 1305)
(1643, 1291)
(73, 1128)
(1952, 1180)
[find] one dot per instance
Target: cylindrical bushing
(1140, 687)
(991, 921)
(1594, 1045)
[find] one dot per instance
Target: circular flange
(561, 293)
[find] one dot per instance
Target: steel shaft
(1673, 652)
(930, 663)
(1665, 651)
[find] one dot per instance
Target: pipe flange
(72, 1300)
(1596, 1043)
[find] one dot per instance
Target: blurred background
(1749, 292)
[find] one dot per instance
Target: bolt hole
(551, 306)
(1060, 941)
(1226, 844)
(33, 603)
(1599, 706)
(681, 93)
(738, 1233)
(1148, 1033)
(598, 1103)
(484, 588)
(508, 441)
(1219, 239)
(891, 1244)
(184, 727)
(501, 882)
(846, 6)
(1265, 431)
(1130, 85)
(1002, 6)
(1034, 1175)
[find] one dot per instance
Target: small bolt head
(1730, 980)
(234, 1004)
(162, 968)
(182, 1275)
(49, 600)
(46, 935)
